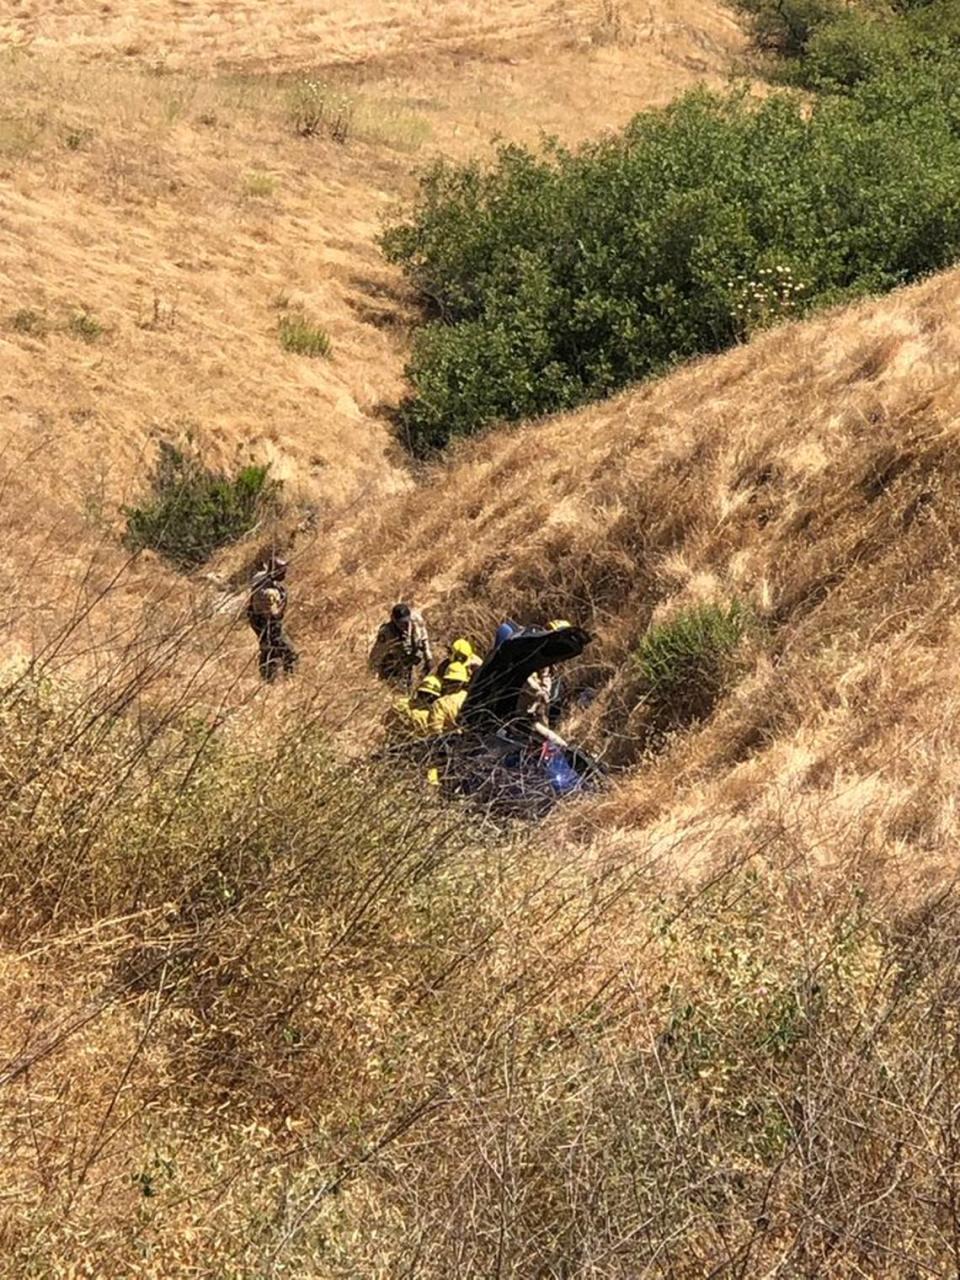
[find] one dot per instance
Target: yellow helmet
(559, 624)
(456, 673)
(463, 649)
(430, 684)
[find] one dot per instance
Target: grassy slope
(810, 474)
(187, 1129)
(152, 179)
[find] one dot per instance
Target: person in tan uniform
(265, 611)
(535, 696)
(401, 646)
(540, 695)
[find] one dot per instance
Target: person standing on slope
(265, 610)
(402, 645)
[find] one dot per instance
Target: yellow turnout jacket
(445, 711)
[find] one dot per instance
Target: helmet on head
(462, 650)
(400, 613)
(505, 631)
(430, 685)
(559, 624)
(456, 673)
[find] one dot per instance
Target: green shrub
(835, 47)
(559, 277)
(26, 320)
(850, 49)
(194, 510)
(787, 26)
(688, 662)
(301, 336)
(77, 139)
(84, 325)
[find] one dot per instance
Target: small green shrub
(194, 510)
(786, 27)
(301, 336)
(688, 662)
(84, 325)
(26, 320)
(77, 139)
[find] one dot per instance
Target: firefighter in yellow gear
(461, 651)
(446, 710)
(412, 715)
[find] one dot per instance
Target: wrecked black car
(509, 762)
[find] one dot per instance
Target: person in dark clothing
(265, 611)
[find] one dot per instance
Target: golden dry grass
(810, 475)
(153, 182)
(288, 34)
(265, 1015)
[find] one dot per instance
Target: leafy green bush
(850, 49)
(560, 277)
(85, 325)
(687, 663)
(835, 47)
(787, 26)
(26, 320)
(194, 510)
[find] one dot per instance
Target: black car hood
(496, 686)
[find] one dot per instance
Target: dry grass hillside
(162, 213)
(270, 1012)
(283, 35)
(809, 475)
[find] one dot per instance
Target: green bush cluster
(84, 325)
(557, 278)
(687, 663)
(194, 510)
(833, 46)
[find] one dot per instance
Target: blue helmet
(505, 631)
